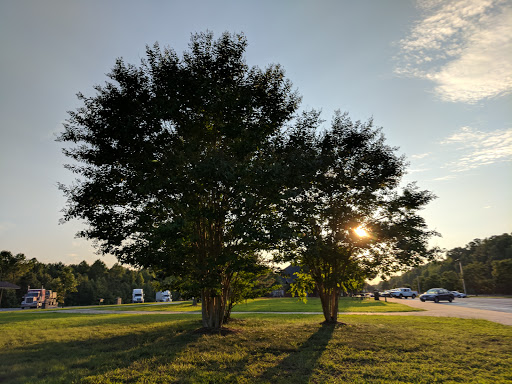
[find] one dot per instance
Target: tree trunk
(329, 298)
(214, 307)
(227, 313)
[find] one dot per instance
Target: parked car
(385, 294)
(437, 294)
(401, 293)
(459, 294)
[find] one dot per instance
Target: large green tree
(174, 163)
(351, 217)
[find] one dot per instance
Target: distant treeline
(76, 284)
(486, 268)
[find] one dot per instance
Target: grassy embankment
(61, 347)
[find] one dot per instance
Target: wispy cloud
(421, 155)
(479, 148)
(444, 178)
(463, 46)
(419, 170)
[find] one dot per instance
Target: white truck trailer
(138, 295)
(163, 296)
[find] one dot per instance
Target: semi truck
(39, 298)
(138, 295)
(163, 296)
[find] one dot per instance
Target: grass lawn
(271, 305)
(61, 347)
(180, 306)
(346, 304)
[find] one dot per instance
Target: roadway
(498, 310)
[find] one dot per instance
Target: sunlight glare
(361, 232)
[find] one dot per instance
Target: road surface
(497, 310)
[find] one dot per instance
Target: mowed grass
(312, 304)
(181, 306)
(346, 304)
(61, 347)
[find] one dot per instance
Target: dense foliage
(76, 284)
(486, 266)
(174, 160)
(352, 219)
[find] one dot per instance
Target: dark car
(436, 295)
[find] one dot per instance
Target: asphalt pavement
(490, 304)
(497, 310)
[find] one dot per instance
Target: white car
(459, 294)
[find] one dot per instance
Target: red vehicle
(39, 298)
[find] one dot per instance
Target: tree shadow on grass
(70, 361)
(298, 366)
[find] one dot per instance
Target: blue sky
(436, 75)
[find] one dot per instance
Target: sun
(361, 232)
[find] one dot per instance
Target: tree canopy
(174, 159)
(351, 218)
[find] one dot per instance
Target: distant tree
(175, 163)
(351, 218)
(385, 284)
(83, 268)
(250, 285)
(84, 294)
(502, 274)
(451, 281)
(97, 270)
(64, 283)
(477, 278)
(432, 281)
(12, 266)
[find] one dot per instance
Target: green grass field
(313, 305)
(63, 347)
(271, 305)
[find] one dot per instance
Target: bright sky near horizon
(435, 74)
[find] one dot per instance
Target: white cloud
(463, 46)
(478, 148)
(421, 155)
(444, 178)
(419, 170)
